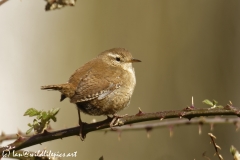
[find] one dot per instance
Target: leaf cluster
(212, 103)
(42, 120)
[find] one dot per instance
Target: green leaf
(31, 112)
(214, 102)
(208, 102)
(29, 125)
(54, 111)
(29, 130)
(44, 115)
(220, 106)
(35, 122)
(54, 119)
(39, 116)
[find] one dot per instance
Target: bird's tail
(66, 89)
(57, 87)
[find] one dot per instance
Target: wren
(102, 86)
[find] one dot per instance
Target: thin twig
(216, 147)
(175, 123)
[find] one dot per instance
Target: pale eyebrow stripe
(112, 55)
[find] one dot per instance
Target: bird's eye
(118, 59)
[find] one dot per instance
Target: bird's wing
(93, 86)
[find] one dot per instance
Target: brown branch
(201, 121)
(161, 124)
(2, 2)
(189, 113)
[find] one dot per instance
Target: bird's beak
(135, 60)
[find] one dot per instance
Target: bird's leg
(115, 120)
(81, 124)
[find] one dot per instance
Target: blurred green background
(188, 48)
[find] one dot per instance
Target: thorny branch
(161, 124)
(189, 113)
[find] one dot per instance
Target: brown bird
(102, 86)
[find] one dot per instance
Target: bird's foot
(82, 134)
(116, 121)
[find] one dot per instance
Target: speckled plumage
(104, 85)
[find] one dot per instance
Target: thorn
(199, 129)
(119, 135)
(139, 109)
(211, 126)
(148, 129)
(188, 108)
(19, 138)
(148, 134)
(229, 107)
(211, 135)
(162, 117)
(139, 112)
(221, 157)
(170, 131)
(19, 132)
(3, 134)
(192, 102)
(45, 132)
(218, 147)
(189, 118)
(181, 114)
(109, 118)
(18, 135)
(237, 125)
(204, 155)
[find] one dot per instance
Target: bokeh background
(188, 48)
